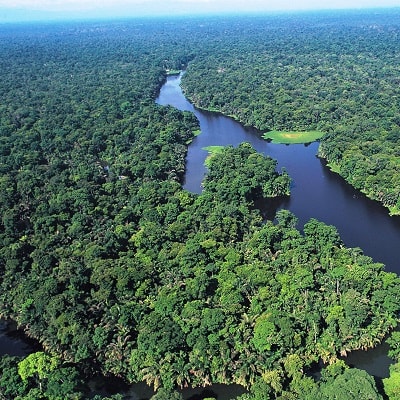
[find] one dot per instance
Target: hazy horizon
(47, 10)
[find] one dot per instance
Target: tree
(48, 378)
(392, 384)
(351, 384)
(11, 384)
(37, 367)
(394, 344)
(265, 333)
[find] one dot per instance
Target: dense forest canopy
(116, 269)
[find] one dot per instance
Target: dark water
(14, 342)
(140, 391)
(316, 193)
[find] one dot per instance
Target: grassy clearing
(173, 72)
(394, 210)
(195, 133)
(292, 137)
(212, 150)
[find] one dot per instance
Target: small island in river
(292, 137)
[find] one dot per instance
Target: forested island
(117, 270)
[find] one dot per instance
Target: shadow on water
(141, 391)
(268, 208)
(14, 342)
(375, 361)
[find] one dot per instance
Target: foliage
(392, 384)
(351, 384)
(242, 174)
(164, 394)
(39, 376)
(211, 151)
(394, 343)
(116, 269)
(11, 384)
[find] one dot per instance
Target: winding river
(316, 192)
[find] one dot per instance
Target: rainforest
(119, 271)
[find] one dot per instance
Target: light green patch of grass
(212, 150)
(394, 210)
(173, 71)
(334, 167)
(293, 137)
(195, 133)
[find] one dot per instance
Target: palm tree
(151, 374)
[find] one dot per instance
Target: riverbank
(394, 210)
(306, 137)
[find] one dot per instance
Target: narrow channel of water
(316, 193)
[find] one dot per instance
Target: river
(316, 192)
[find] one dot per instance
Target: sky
(30, 10)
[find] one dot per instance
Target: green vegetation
(292, 137)
(117, 270)
(392, 383)
(312, 73)
(212, 150)
(195, 133)
(337, 382)
(39, 376)
(173, 72)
